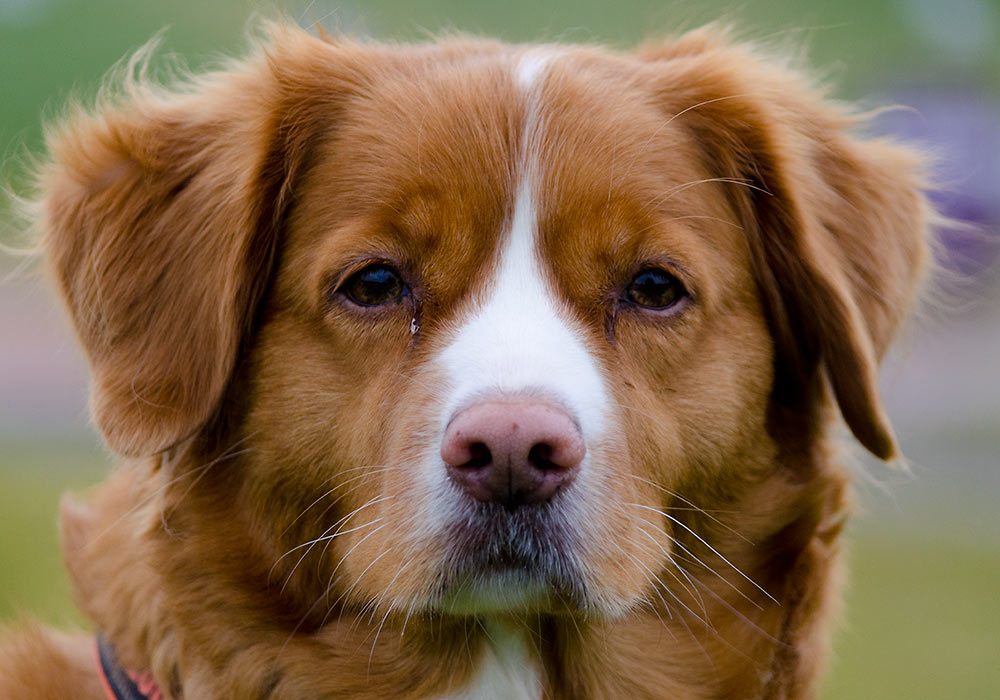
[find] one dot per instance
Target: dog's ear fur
(836, 225)
(160, 212)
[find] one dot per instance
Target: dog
(469, 370)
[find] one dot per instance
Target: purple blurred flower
(961, 129)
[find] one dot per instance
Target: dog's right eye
(655, 289)
(375, 285)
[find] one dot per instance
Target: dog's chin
(522, 561)
(502, 592)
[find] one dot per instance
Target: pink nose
(512, 452)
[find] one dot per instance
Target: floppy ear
(836, 225)
(161, 214)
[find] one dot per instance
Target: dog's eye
(654, 289)
(374, 285)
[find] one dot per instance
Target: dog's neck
(196, 612)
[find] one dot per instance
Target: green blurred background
(923, 617)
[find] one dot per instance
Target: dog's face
(491, 329)
(510, 315)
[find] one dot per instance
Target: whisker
(161, 490)
(406, 620)
(312, 543)
(690, 216)
(204, 470)
(356, 477)
(693, 559)
(389, 585)
(340, 497)
(704, 620)
(663, 125)
(693, 591)
(323, 536)
(738, 614)
(696, 640)
(652, 579)
(372, 502)
(677, 189)
(333, 574)
(431, 389)
(627, 407)
(365, 571)
(703, 103)
(710, 547)
(345, 494)
(674, 494)
(377, 633)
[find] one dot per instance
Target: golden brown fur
(194, 232)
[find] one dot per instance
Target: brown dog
(468, 370)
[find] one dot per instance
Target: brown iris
(654, 288)
(374, 285)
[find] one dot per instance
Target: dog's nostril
(480, 456)
(540, 457)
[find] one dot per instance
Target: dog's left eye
(654, 288)
(374, 285)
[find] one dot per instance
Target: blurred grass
(50, 48)
(923, 621)
(922, 613)
(33, 476)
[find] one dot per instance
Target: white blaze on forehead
(530, 67)
(530, 71)
(519, 341)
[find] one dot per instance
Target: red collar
(120, 684)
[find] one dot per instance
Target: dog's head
(477, 328)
